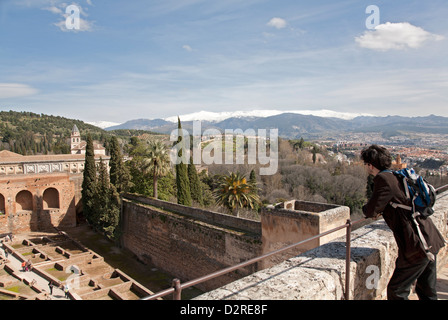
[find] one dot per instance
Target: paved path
(442, 285)
(58, 294)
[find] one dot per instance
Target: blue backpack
(423, 197)
(418, 190)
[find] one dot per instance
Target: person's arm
(381, 197)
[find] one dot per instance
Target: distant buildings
(398, 165)
(78, 146)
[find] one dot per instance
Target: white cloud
(187, 47)
(395, 36)
(53, 9)
(14, 90)
(278, 23)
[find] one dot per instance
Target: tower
(75, 139)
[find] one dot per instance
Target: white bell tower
(75, 139)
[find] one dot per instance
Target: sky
(116, 61)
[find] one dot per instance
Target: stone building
(397, 164)
(78, 146)
(42, 191)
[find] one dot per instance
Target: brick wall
(184, 246)
(36, 202)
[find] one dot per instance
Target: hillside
(29, 133)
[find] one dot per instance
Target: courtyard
(92, 267)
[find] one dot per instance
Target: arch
(2, 205)
(24, 201)
(51, 199)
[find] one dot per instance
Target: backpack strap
(417, 226)
(399, 205)
(422, 238)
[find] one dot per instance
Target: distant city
(420, 141)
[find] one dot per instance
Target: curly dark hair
(377, 156)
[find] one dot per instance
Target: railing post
(347, 259)
(177, 290)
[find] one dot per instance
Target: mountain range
(293, 125)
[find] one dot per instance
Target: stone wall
(185, 243)
(293, 221)
(319, 274)
(200, 214)
(36, 202)
(189, 242)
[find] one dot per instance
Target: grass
(14, 289)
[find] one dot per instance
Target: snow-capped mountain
(295, 124)
(103, 124)
(220, 116)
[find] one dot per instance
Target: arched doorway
(24, 201)
(2, 205)
(51, 199)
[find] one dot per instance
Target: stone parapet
(293, 221)
(319, 274)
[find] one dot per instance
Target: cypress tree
(182, 182)
(253, 177)
(107, 203)
(195, 184)
(112, 217)
(89, 182)
(253, 184)
(119, 173)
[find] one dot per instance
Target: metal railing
(177, 286)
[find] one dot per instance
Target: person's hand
(376, 217)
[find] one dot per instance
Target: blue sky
(155, 59)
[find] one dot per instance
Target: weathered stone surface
(319, 274)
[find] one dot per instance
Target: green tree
(182, 182)
(235, 192)
(157, 162)
(107, 204)
(253, 183)
(119, 173)
(89, 182)
(140, 180)
(314, 154)
(195, 183)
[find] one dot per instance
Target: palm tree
(234, 192)
(157, 162)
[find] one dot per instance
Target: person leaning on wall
(412, 263)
